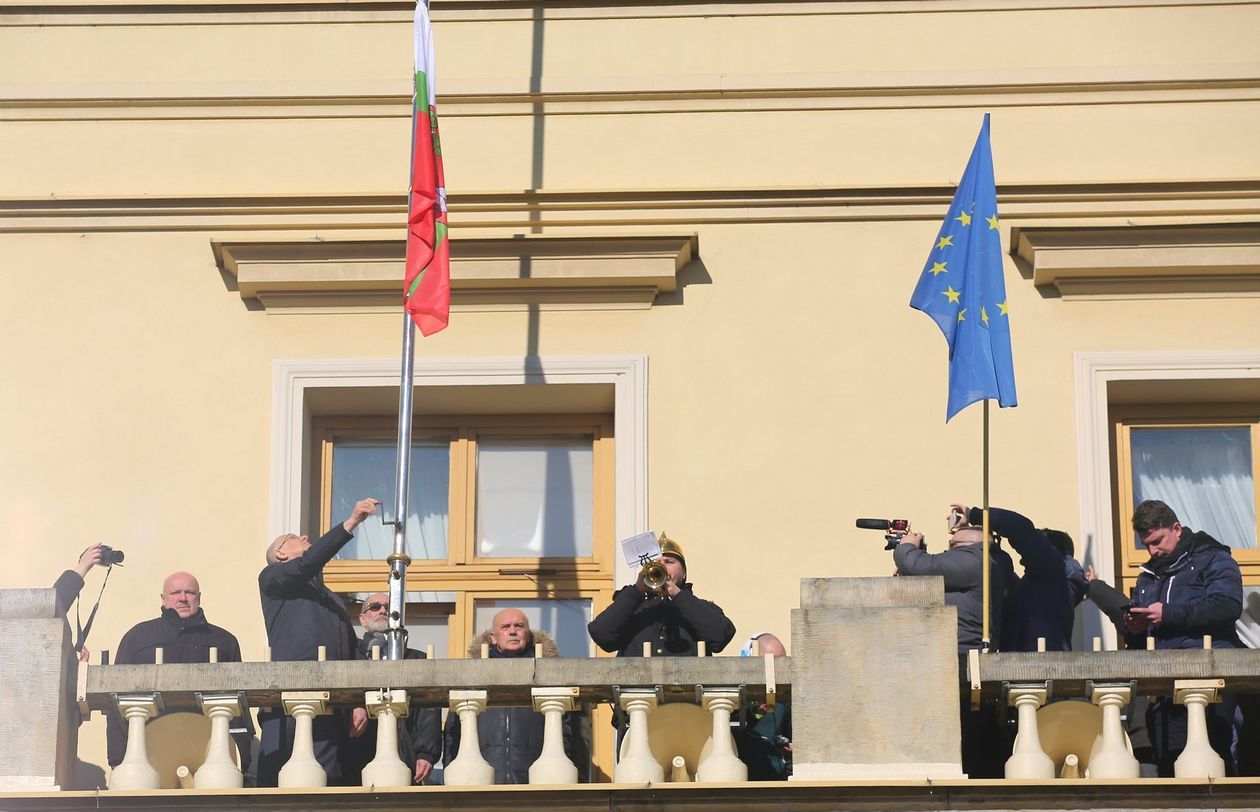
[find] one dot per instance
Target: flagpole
(396, 635)
(985, 584)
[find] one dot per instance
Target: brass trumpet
(654, 575)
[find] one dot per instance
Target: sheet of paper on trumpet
(641, 548)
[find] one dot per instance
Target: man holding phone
(1208, 598)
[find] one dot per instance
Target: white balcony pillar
(1028, 758)
(1198, 759)
(135, 771)
(469, 769)
(386, 769)
(302, 769)
(721, 764)
(553, 765)
(219, 771)
(1113, 759)
(638, 766)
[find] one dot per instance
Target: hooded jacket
(511, 738)
(1200, 587)
(671, 625)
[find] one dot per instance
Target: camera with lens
(893, 529)
(110, 556)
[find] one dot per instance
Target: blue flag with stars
(962, 289)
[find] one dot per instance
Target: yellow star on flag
(984, 317)
(1002, 306)
(961, 313)
(964, 218)
(951, 294)
(945, 242)
(938, 268)
(992, 221)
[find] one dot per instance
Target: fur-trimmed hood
(550, 649)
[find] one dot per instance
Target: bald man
(183, 634)
(765, 742)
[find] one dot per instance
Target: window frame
(1127, 417)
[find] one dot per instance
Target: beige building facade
(684, 239)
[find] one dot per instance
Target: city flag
(427, 287)
(962, 289)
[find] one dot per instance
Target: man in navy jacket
(301, 615)
(1190, 587)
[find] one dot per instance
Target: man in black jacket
(672, 620)
(185, 636)
(419, 733)
(511, 738)
(301, 615)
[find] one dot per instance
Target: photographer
(70, 583)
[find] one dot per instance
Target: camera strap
(82, 631)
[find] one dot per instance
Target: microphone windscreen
(873, 524)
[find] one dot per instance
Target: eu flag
(961, 288)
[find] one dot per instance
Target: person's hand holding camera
(90, 558)
(914, 538)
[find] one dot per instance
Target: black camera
(110, 556)
(893, 529)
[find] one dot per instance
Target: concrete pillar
(37, 670)
(638, 766)
(848, 637)
(135, 771)
(218, 771)
(386, 769)
(1113, 759)
(1028, 759)
(302, 770)
(721, 764)
(553, 766)
(1198, 760)
(469, 769)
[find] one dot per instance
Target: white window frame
(292, 380)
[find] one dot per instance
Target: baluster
(386, 769)
(1198, 760)
(553, 766)
(302, 770)
(219, 771)
(135, 771)
(638, 766)
(469, 767)
(721, 764)
(1028, 759)
(1113, 759)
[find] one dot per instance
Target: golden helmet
(672, 548)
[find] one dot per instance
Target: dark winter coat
(511, 738)
(962, 569)
(672, 625)
(1201, 589)
(301, 613)
(182, 641)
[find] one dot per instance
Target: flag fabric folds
(427, 286)
(962, 289)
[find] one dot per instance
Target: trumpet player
(668, 616)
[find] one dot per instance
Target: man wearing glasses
(301, 615)
(419, 733)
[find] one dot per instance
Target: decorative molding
(507, 213)
(294, 380)
(1142, 262)
(486, 274)
(1093, 372)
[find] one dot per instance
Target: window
(1201, 460)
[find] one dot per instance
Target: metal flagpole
(396, 635)
(985, 584)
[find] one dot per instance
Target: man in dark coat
(419, 732)
(301, 615)
(511, 738)
(673, 620)
(185, 636)
(1207, 600)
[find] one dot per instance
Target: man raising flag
(427, 290)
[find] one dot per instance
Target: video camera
(893, 529)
